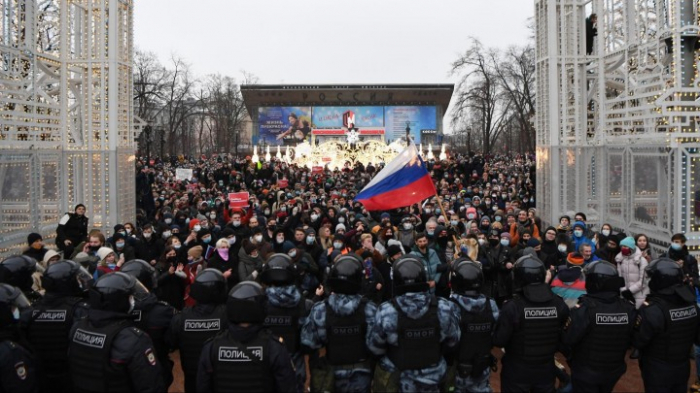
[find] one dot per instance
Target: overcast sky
(327, 41)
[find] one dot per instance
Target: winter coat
(631, 269)
(247, 265)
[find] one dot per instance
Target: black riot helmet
(246, 303)
(664, 274)
(278, 271)
(209, 287)
(345, 275)
(142, 271)
(528, 270)
(602, 276)
(17, 271)
(10, 298)
(466, 278)
(113, 292)
(409, 276)
(66, 277)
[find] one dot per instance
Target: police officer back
(106, 352)
(287, 310)
(66, 284)
(18, 373)
(340, 323)
(599, 331)
(529, 328)
(411, 333)
(666, 327)
(477, 315)
(151, 315)
(17, 271)
(245, 357)
(196, 324)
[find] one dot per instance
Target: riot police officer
(17, 368)
(477, 314)
(245, 357)
(599, 331)
(17, 271)
(411, 333)
(151, 315)
(194, 325)
(66, 284)
(106, 352)
(529, 329)
(340, 323)
(666, 327)
(286, 308)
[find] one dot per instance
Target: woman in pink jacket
(630, 266)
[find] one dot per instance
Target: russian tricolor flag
(403, 182)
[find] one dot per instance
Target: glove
(627, 294)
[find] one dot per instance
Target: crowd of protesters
(486, 211)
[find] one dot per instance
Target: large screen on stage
(291, 125)
(283, 124)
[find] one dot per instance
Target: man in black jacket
(71, 230)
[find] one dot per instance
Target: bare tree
(149, 92)
(226, 110)
(179, 104)
(517, 77)
(480, 95)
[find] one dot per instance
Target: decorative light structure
(267, 154)
(617, 126)
(255, 157)
(66, 128)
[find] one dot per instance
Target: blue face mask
(112, 265)
(120, 244)
(310, 240)
(676, 246)
(498, 218)
(438, 211)
(206, 240)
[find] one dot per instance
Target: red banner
(282, 183)
(317, 169)
(238, 199)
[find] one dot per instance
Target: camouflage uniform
(350, 378)
(469, 304)
(384, 334)
(289, 297)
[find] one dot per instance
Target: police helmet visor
(85, 279)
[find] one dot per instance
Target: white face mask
(196, 228)
(147, 235)
(166, 234)
(280, 240)
(341, 219)
(236, 223)
(258, 238)
(605, 232)
(562, 248)
(314, 217)
(505, 242)
(232, 241)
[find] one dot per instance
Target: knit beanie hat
(628, 242)
(33, 237)
(195, 252)
(580, 224)
(574, 259)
